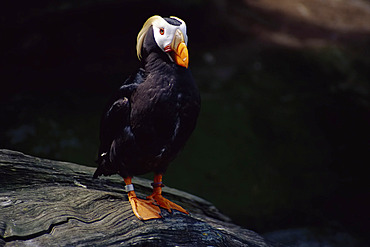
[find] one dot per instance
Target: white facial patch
(164, 32)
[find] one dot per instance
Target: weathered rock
(53, 203)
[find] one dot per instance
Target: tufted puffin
(152, 115)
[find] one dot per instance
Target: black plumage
(150, 118)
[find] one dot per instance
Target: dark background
(282, 141)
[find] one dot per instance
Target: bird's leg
(159, 199)
(143, 209)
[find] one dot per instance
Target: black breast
(164, 110)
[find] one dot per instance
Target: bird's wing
(115, 118)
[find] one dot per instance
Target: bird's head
(169, 35)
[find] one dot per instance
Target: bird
(152, 115)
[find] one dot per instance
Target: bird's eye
(161, 31)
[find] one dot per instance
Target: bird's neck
(158, 62)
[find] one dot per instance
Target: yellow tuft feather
(143, 31)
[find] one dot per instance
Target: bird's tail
(104, 167)
(100, 170)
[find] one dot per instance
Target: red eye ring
(161, 31)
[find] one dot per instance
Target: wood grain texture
(53, 203)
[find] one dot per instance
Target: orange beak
(179, 51)
(181, 55)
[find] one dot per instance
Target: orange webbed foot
(157, 197)
(165, 203)
(143, 209)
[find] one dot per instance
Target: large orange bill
(179, 51)
(181, 55)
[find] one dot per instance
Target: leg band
(129, 187)
(158, 184)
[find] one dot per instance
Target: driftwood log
(53, 203)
